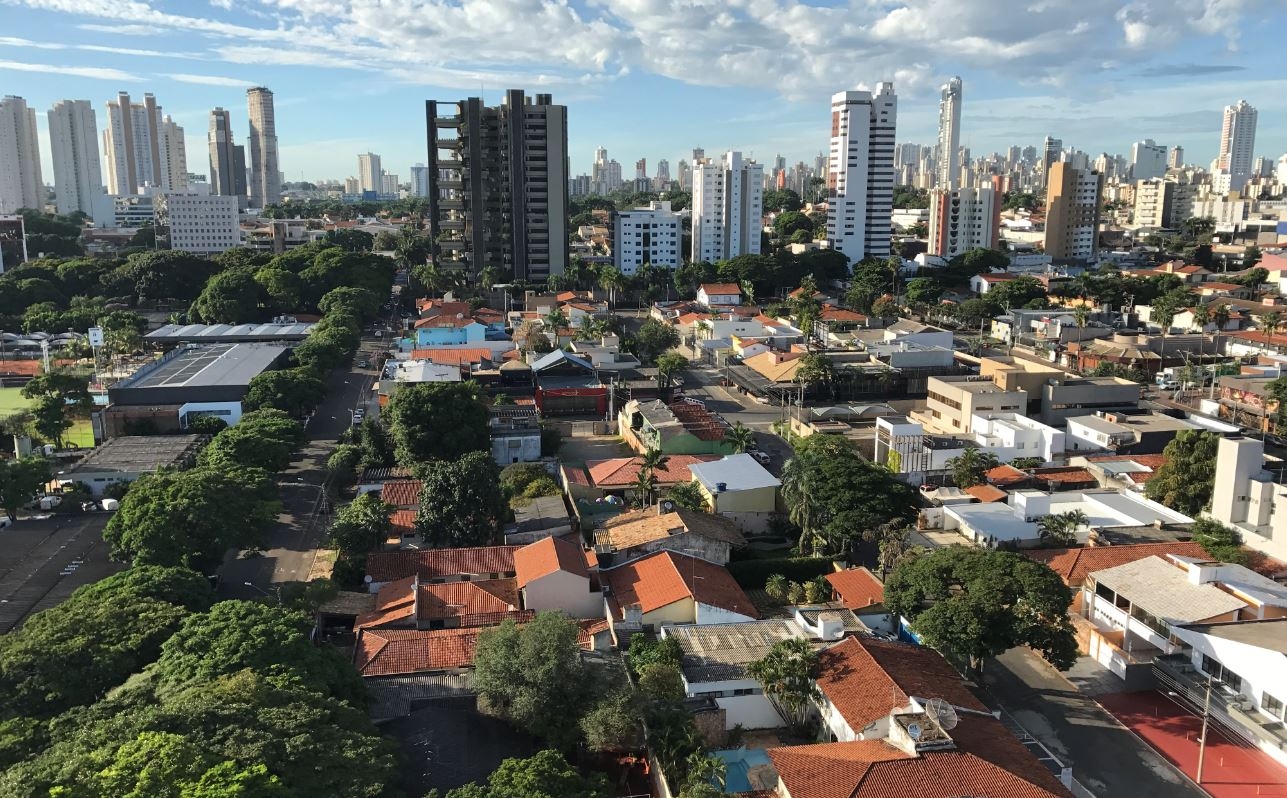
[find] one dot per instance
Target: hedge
(752, 574)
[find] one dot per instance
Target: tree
(687, 495)
(815, 369)
(294, 391)
(266, 439)
(923, 291)
(280, 289)
(662, 682)
(545, 775)
(362, 525)
(1186, 479)
(437, 420)
(191, 518)
(343, 462)
(534, 676)
(21, 480)
(654, 338)
(462, 503)
(790, 222)
(788, 673)
(1060, 529)
(969, 467)
(1271, 321)
(351, 239)
(1250, 257)
(971, 603)
(1219, 541)
(231, 297)
(740, 437)
(669, 365)
(1017, 293)
(613, 723)
(885, 307)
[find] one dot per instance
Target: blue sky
(655, 78)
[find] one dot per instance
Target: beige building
(738, 488)
(1072, 212)
(1163, 203)
(1017, 374)
(953, 401)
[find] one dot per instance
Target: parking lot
(43, 561)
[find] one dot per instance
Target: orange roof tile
(490, 597)
(830, 313)
(1074, 564)
(621, 472)
(444, 321)
(546, 556)
(404, 521)
(987, 493)
(721, 289)
(453, 357)
(999, 277)
(439, 307)
(857, 587)
(402, 492)
(1064, 474)
(1150, 461)
(1004, 475)
(431, 564)
(665, 577)
(396, 652)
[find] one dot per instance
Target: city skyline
(1076, 95)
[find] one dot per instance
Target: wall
(563, 591)
(709, 549)
(682, 611)
(755, 500)
(507, 449)
(706, 614)
(753, 711)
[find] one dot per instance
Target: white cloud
(80, 72)
(210, 80)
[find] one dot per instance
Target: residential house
(440, 565)
(681, 427)
(953, 402)
(982, 283)
(1136, 432)
(739, 488)
(402, 494)
(402, 652)
(636, 534)
(1074, 564)
(606, 354)
(903, 446)
(1123, 471)
(410, 604)
(1129, 612)
(714, 295)
(515, 433)
(671, 588)
(445, 330)
(775, 366)
(537, 519)
(553, 574)
(568, 384)
(620, 475)
(1191, 274)
(836, 326)
(863, 594)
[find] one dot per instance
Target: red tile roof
(1004, 475)
(402, 492)
(987, 493)
(1074, 564)
(840, 314)
(404, 522)
(665, 577)
(857, 587)
(621, 472)
(698, 421)
(1064, 474)
(1150, 461)
(403, 602)
(444, 321)
(453, 357)
(396, 652)
(721, 289)
(547, 556)
(430, 308)
(434, 564)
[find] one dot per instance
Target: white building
(728, 206)
(903, 445)
(1237, 147)
(962, 219)
(73, 141)
(20, 183)
(419, 180)
(647, 235)
(389, 184)
(370, 175)
(860, 175)
(949, 134)
(201, 224)
(265, 174)
(137, 148)
(1148, 160)
(1163, 203)
(1249, 497)
(175, 158)
(1016, 521)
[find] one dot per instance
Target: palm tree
(1271, 321)
(645, 484)
(487, 279)
(1201, 316)
(969, 467)
(748, 291)
(1060, 529)
(556, 319)
(787, 675)
(653, 459)
(1081, 316)
(740, 437)
(612, 280)
(705, 769)
(1220, 316)
(797, 493)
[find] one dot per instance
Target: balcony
(450, 185)
(1175, 674)
(446, 121)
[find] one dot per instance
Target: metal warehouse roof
(172, 333)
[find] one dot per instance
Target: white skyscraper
(370, 175)
(20, 183)
(73, 142)
(728, 206)
(949, 134)
(174, 156)
(419, 180)
(265, 174)
(1148, 160)
(134, 145)
(860, 177)
(1237, 145)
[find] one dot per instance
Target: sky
(656, 78)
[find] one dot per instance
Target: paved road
(292, 545)
(1105, 757)
(703, 382)
(43, 561)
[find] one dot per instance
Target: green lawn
(12, 401)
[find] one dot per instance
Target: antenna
(943, 713)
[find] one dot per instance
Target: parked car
(761, 457)
(5, 521)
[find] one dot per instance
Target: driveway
(1105, 757)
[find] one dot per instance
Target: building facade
(965, 218)
(200, 223)
(1148, 160)
(728, 206)
(73, 142)
(1072, 212)
(20, 183)
(949, 134)
(136, 146)
(227, 158)
(265, 174)
(370, 173)
(1163, 203)
(860, 177)
(419, 180)
(498, 184)
(647, 235)
(175, 157)
(1237, 145)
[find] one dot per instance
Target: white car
(761, 457)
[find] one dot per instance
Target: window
(1271, 705)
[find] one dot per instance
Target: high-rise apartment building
(227, 159)
(1175, 160)
(860, 177)
(1237, 144)
(1072, 212)
(663, 175)
(419, 180)
(1148, 160)
(652, 234)
(20, 182)
(73, 142)
(265, 174)
(962, 219)
(389, 184)
(728, 208)
(200, 223)
(949, 134)
(1163, 204)
(370, 173)
(1051, 154)
(641, 168)
(498, 181)
(137, 148)
(174, 156)
(684, 174)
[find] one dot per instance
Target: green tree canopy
(1221, 542)
(442, 420)
(294, 391)
(968, 467)
(266, 438)
(462, 503)
(971, 603)
(362, 525)
(1186, 480)
(652, 339)
(545, 775)
(789, 673)
(231, 297)
(21, 480)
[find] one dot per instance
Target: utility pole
(1202, 740)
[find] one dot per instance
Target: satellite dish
(667, 506)
(943, 713)
(914, 731)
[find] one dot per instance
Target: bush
(542, 486)
(753, 574)
(515, 478)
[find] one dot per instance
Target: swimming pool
(739, 763)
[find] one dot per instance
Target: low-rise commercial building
(125, 459)
(1081, 397)
(953, 402)
(1138, 432)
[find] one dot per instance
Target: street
(43, 561)
(702, 382)
(1109, 760)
